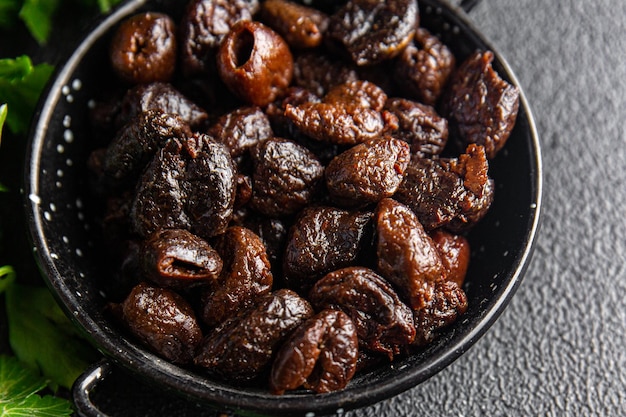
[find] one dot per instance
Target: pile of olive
(275, 190)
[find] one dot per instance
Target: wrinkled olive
(246, 275)
(162, 320)
(143, 49)
(407, 256)
(243, 346)
(255, 63)
(203, 26)
(320, 355)
(177, 258)
(454, 251)
(299, 25)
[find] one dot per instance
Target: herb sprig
(48, 353)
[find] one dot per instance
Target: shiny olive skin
(163, 320)
(203, 26)
(301, 26)
(321, 355)
(384, 323)
(481, 106)
(246, 275)
(424, 67)
(367, 172)
(255, 63)
(143, 49)
(407, 256)
(176, 258)
(454, 251)
(243, 346)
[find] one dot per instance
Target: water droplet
(34, 198)
(68, 135)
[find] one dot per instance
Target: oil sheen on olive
(144, 48)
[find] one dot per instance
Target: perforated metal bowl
(61, 223)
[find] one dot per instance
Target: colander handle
(86, 384)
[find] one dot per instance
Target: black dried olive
(372, 31)
(480, 105)
(137, 142)
(453, 193)
(454, 251)
(178, 259)
(163, 97)
(384, 323)
(448, 303)
(359, 93)
(144, 48)
(241, 129)
(243, 346)
(286, 177)
(320, 355)
(424, 67)
(190, 185)
(210, 183)
(318, 179)
(319, 73)
(407, 257)
(245, 277)
(336, 122)
(255, 63)
(419, 125)
(159, 202)
(322, 240)
(301, 26)
(162, 320)
(368, 172)
(204, 26)
(275, 111)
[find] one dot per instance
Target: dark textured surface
(558, 349)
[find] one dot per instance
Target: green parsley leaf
(4, 109)
(37, 16)
(7, 277)
(18, 393)
(107, 5)
(36, 406)
(16, 381)
(42, 336)
(21, 83)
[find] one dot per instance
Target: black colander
(65, 238)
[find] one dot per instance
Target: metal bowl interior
(65, 237)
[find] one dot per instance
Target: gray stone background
(558, 349)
